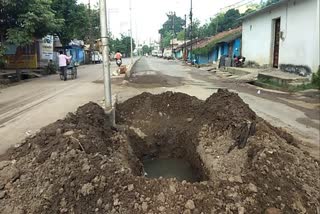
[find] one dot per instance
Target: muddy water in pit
(170, 168)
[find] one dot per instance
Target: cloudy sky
(149, 15)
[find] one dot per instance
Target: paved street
(299, 115)
(27, 107)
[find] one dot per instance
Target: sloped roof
(188, 44)
(267, 9)
(225, 36)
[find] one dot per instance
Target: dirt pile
(82, 165)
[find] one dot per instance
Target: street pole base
(111, 113)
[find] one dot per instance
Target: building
(227, 43)
(183, 51)
(35, 55)
(76, 50)
(284, 35)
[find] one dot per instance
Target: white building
(284, 35)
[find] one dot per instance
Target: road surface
(27, 107)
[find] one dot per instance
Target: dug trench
(81, 164)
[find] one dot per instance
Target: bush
(316, 79)
(2, 60)
(51, 68)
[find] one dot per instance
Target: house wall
(225, 49)
(179, 54)
(22, 57)
(236, 47)
(202, 59)
(77, 53)
(215, 54)
(299, 45)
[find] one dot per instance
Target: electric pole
(90, 33)
(191, 32)
(105, 56)
(173, 32)
(185, 38)
(131, 42)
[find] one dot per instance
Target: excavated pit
(166, 159)
(239, 162)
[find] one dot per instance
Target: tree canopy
(23, 20)
(123, 44)
(78, 20)
(219, 23)
(170, 28)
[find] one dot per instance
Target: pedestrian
(63, 61)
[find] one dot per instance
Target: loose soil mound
(82, 165)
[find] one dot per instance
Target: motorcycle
(239, 61)
(119, 62)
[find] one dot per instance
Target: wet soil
(83, 165)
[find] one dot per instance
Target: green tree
(220, 23)
(145, 49)
(265, 3)
(171, 26)
(195, 29)
(23, 20)
(123, 45)
(180, 35)
(230, 20)
(165, 40)
(79, 21)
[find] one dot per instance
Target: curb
(128, 72)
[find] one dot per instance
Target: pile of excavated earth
(83, 165)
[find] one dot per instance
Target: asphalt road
(27, 107)
(298, 114)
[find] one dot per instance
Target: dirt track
(82, 165)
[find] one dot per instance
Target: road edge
(128, 71)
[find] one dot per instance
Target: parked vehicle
(155, 53)
(238, 61)
(167, 54)
(96, 57)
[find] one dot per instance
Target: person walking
(63, 61)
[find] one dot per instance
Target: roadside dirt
(82, 165)
(154, 79)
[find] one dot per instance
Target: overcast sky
(149, 15)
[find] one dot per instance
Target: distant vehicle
(155, 53)
(160, 55)
(167, 54)
(96, 57)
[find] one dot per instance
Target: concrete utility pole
(105, 56)
(185, 38)
(173, 33)
(191, 32)
(91, 53)
(131, 42)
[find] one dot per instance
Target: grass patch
(266, 83)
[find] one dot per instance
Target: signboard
(47, 48)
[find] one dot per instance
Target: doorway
(276, 43)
